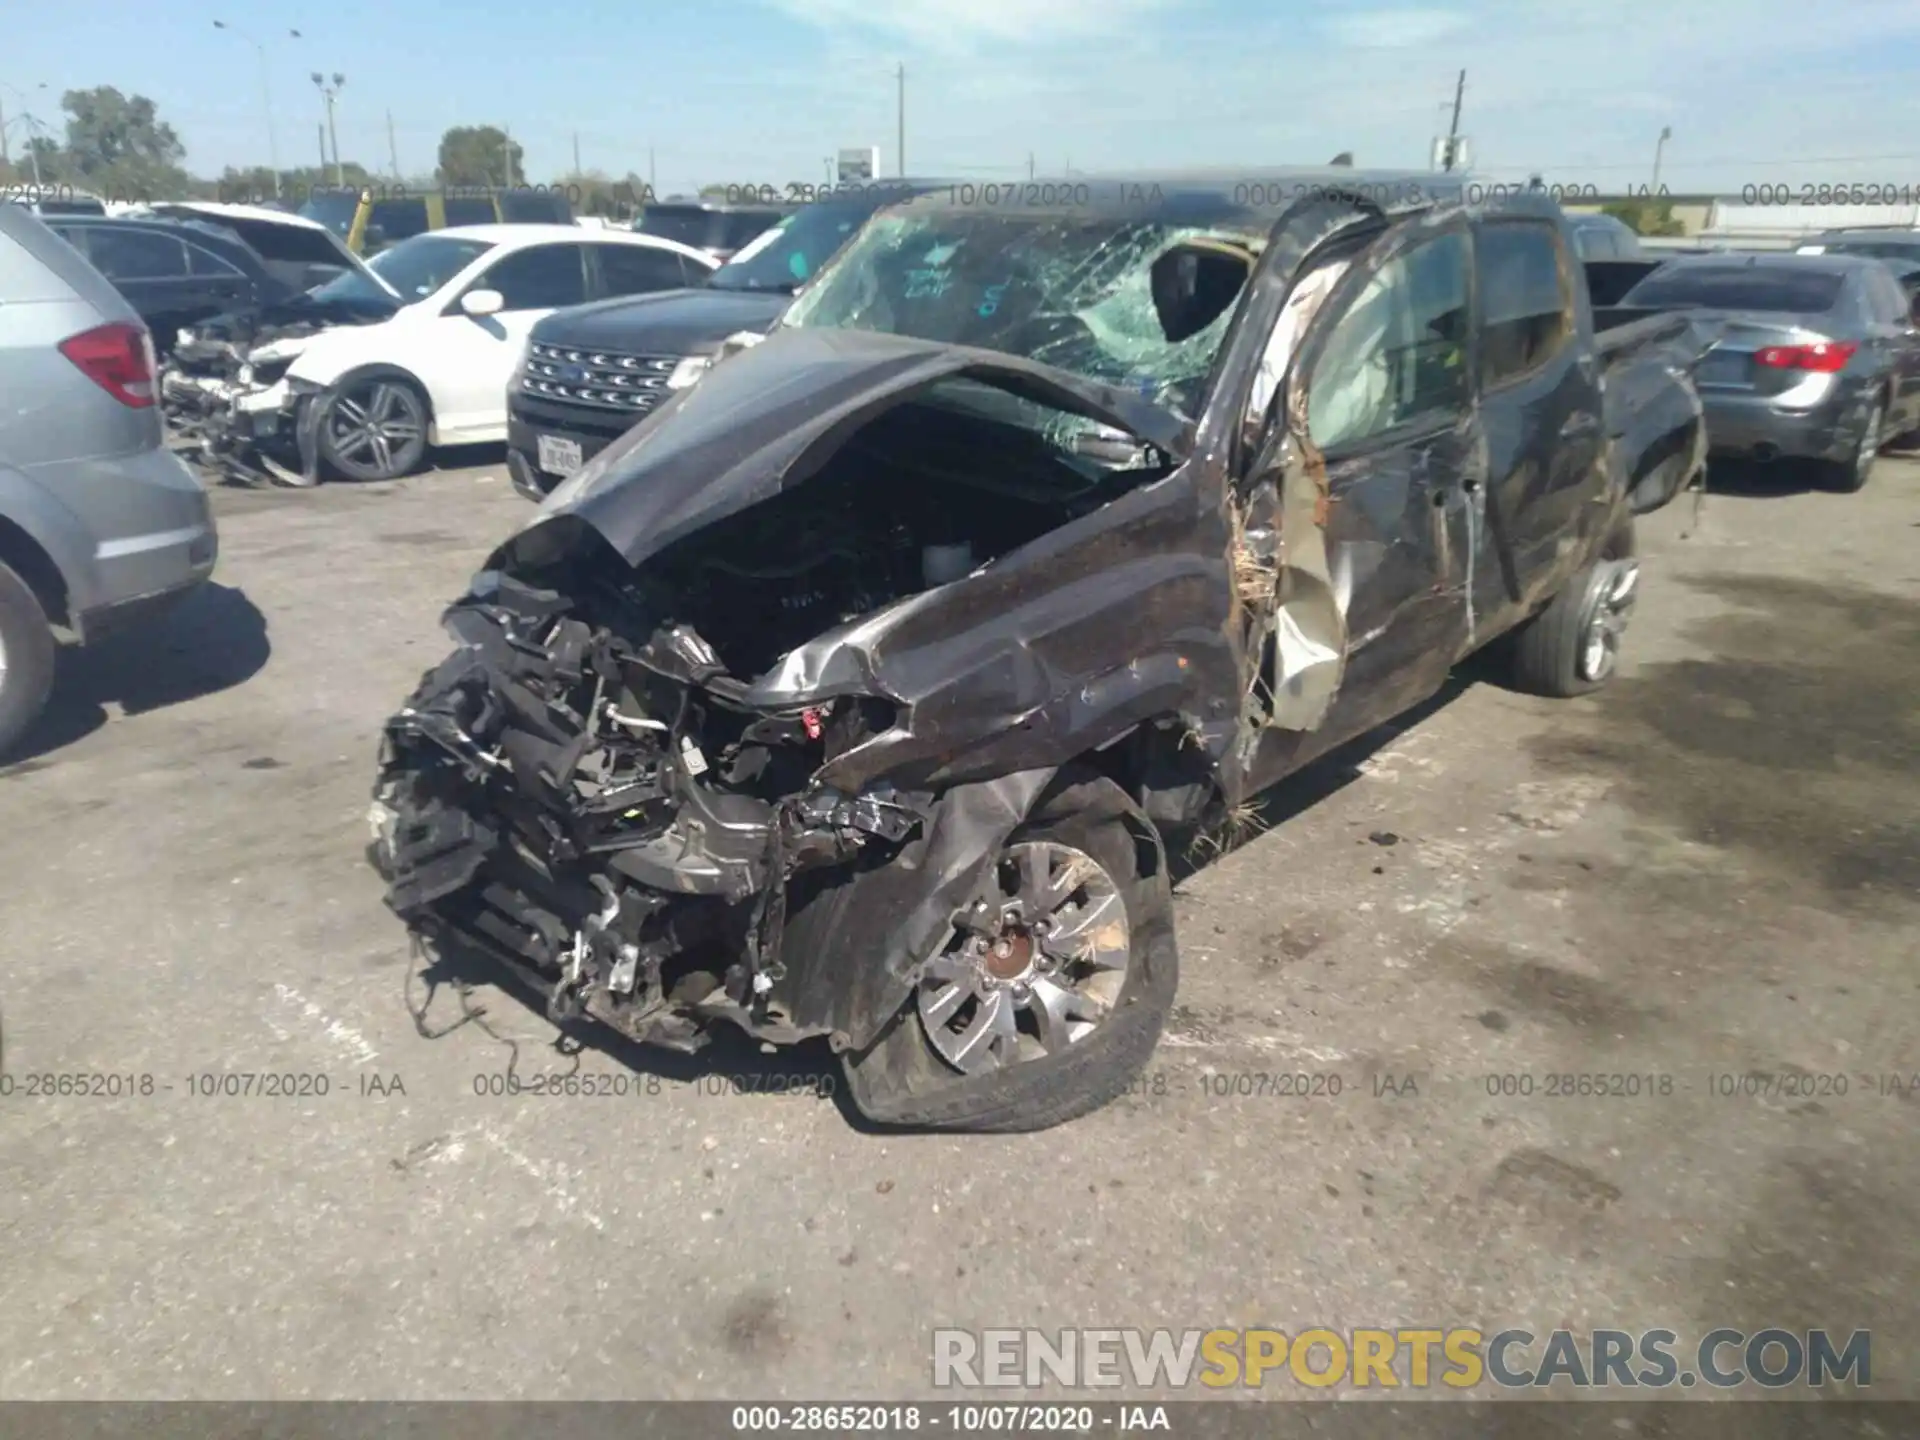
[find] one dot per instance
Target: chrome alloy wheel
(1618, 586)
(369, 425)
(1033, 970)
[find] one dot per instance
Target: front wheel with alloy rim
(1850, 476)
(1050, 994)
(374, 429)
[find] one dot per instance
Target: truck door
(1388, 387)
(1539, 409)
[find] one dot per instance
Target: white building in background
(1781, 227)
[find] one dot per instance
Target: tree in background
(1645, 217)
(116, 146)
(480, 155)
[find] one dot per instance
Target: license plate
(1724, 367)
(559, 456)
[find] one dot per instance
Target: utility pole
(330, 93)
(393, 150)
(1453, 131)
(1029, 164)
(576, 152)
(266, 95)
(1666, 134)
(320, 127)
(5, 159)
(900, 74)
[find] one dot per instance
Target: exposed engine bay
(589, 789)
(224, 395)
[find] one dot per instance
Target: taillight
(118, 358)
(1828, 357)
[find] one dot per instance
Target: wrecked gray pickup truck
(852, 692)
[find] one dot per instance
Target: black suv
(593, 371)
(722, 230)
(175, 272)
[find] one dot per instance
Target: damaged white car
(358, 377)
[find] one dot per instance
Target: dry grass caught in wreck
(1234, 829)
(1254, 578)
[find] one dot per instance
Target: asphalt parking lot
(1711, 869)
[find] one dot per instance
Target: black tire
(26, 659)
(360, 429)
(1547, 651)
(900, 1081)
(1850, 476)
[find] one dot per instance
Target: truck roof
(1201, 195)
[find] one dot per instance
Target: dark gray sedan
(1820, 359)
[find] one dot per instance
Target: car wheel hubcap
(1034, 967)
(1600, 647)
(369, 427)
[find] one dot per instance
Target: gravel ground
(1710, 869)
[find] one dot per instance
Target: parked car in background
(301, 253)
(721, 230)
(1602, 237)
(101, 526)
(369, 219)
(418, 354)
(857, 692)
(173, 272)
(1819, 359)
(593, 372)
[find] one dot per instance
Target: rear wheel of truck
(375, 429)
(1573, 646)
(1850, 476)
(1052, 1002)
(26, 659)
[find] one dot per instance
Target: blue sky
(750, 91)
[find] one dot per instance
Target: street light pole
(266, 96)
(329, 93)
(1666, 134)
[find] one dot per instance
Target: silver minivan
(101, 526)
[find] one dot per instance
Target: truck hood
(670, 322)
(771, 416)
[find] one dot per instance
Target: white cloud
(1395, 29)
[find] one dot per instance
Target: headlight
(185, 337)
(688, 371)
(244, 375)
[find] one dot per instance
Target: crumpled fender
(854, 945)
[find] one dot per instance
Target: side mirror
(483, 302)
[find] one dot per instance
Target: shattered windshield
(1143, 306)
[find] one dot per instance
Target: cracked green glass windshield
(1097, 298)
